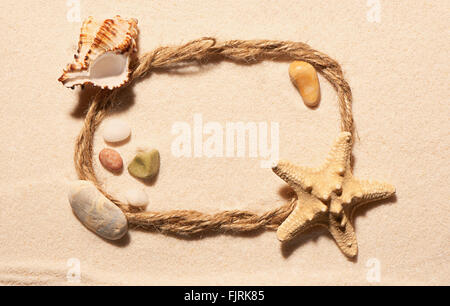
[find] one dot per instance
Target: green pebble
(145, 165)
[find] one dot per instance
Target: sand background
(399, 73)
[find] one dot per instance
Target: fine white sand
(399, 73)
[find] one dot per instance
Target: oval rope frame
(187, 222)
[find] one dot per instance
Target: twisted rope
(187, 222)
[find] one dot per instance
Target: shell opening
(108, 70)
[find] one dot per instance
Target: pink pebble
(111, 160)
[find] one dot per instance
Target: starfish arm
(344, 236)
(367, 191)
(308, 212)
(370, 192)
(295, 176)
(374, 191)
(330, 176)
(339, 155)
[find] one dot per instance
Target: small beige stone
(136, 197)
(116, 130)
(96, 212)
(145, 165)
(111, 160)
(304, 76)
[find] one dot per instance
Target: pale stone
(96, 212)
(136, 197)
(304, 76)
(111, 160)
(116, 130)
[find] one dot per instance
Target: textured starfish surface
(328, 196)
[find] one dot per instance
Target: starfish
(328, 196)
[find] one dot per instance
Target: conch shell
(103, 54)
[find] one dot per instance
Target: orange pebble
(304, 77)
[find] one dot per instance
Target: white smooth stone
(116, 130)
(136, 197)
(96, 212)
